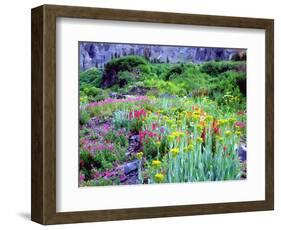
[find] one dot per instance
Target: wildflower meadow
(144, 120)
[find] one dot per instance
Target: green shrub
(91, 76)
(174, 71)
(102, 160)
(91, 93)
(160, 70)
(126, 63)
(84, 116)
(149, 148)
(227, 82)
(125, 78)
(135, 125)
(214, 68)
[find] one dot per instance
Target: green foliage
(149, 148)
(117, 139)
(174, 71)
(91, 76)
(91, 93)
(214, 68)
(101, 182)
(121, 119)
(158, 70)
(125, 78)
(84, 117)
(126, 63)
(135, 125)
(103, 159)
(226, 84)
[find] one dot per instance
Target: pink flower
(110, 101)
(81, 177)
(240, 124)
(106, 128)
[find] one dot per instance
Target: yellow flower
(199, 140)
(237, 127)
(228, 133)
(190, 147)
(156, 163)
(175, 134)
(159, 177)
(175, 151)
(232, 120)
(169, 122)
(178, 134)
(238, 133)
(195, 118)
(222, 122)
(158, 143)
(139, 155)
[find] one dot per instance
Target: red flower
(203, 135)
(146, 133)
(137, 114)
(215, 127)
(241, 113)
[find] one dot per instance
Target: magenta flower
(137, 114)
(110, 101)
(81, 177)
(240, 124)
(106, 128)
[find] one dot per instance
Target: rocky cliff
(98, 54)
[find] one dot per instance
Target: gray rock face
(135, 138)
(131, 166)
(242, 152)
(98, 54)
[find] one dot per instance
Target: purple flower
(106, 128)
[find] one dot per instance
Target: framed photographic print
(140, 114)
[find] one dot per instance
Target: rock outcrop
(98, 54)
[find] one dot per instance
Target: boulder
(242, 152)
(131, 166)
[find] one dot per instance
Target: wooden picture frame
(43, 208)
